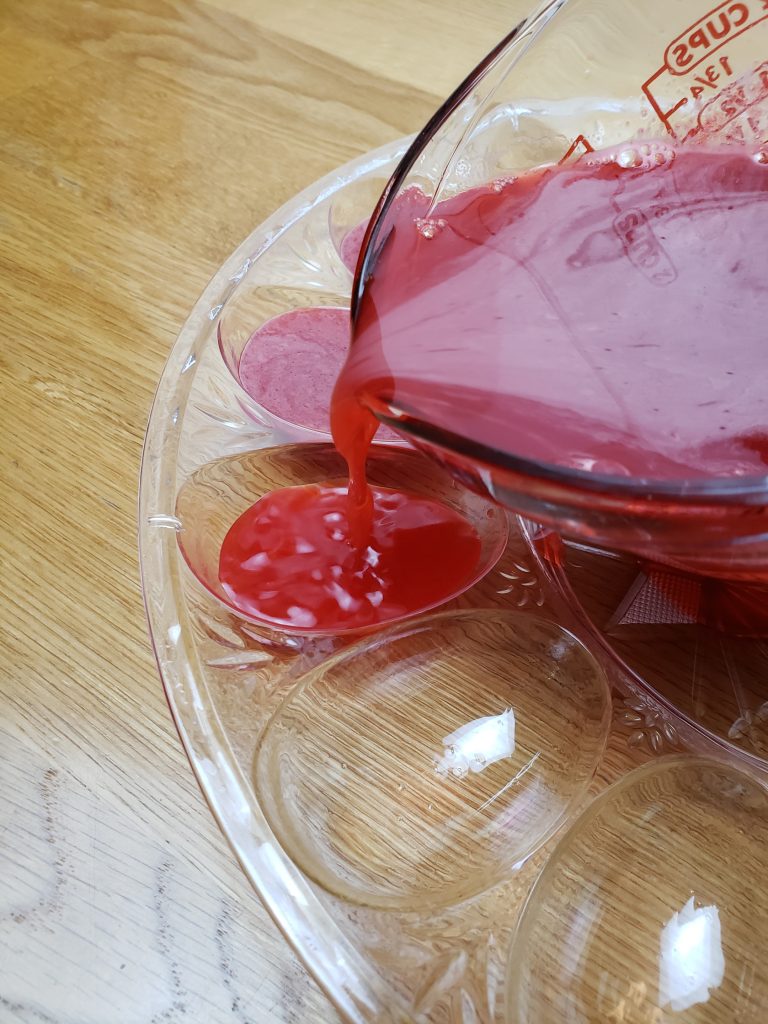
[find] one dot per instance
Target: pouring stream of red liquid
(607, 316)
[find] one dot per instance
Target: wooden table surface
(140, 140)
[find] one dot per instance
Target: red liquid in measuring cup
(609, 316)
(290, 560)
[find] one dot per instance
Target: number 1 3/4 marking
(684, 56)
(710, 76)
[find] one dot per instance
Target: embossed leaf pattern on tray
(441, 976)
(523, 585)
(648, 726)
(221, 406)
(745, 724)
(462, 986)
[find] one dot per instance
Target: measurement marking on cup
(580, 146)
(667, 90)
(709, 79)
(716, 28)
(642, 248)
(732, 102)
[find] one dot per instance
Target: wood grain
(139, 142)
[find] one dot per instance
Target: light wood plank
(140, 140)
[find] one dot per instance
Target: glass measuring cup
(607, 435)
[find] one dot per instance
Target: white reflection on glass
(691, 960)
(478, 744)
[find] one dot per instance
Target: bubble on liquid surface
(499, 184)
(761, 156)
(629, 158)
(429, 227)
(645, 156)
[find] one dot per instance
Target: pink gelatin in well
(290, 364)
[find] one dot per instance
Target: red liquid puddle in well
(289, 559)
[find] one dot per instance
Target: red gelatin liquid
(608, 316)
(290, 560)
